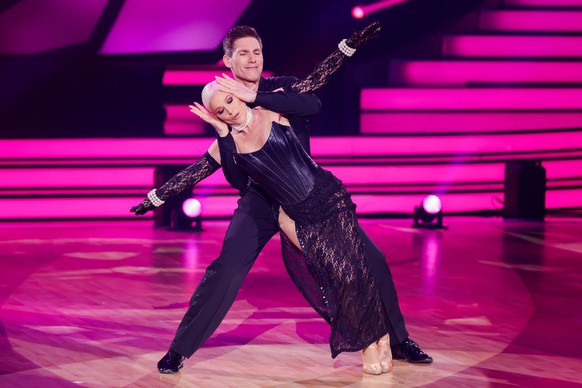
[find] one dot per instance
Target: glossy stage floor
(96, 304)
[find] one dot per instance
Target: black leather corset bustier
(281, 167)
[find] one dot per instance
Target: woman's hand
(205, 115)
(236, 88)
(142, 208)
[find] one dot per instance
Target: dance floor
(96, 304)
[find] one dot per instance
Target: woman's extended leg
(374, 355)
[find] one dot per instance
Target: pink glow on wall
(512, 46)
(31, 27)
(544, 3)
(443, 122)
(462, 72)
(531, 20)
(563, 169)
(471, 99)
(180, 121)
(172, 26)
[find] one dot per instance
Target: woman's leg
(374, 357)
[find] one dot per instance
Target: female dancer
(322, 248)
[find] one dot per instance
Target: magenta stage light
(531, 20)
(463, 72)
(472, 99)
(512, 46)
(432, 204)
(192, 207)
(465, 122)
(358, 12)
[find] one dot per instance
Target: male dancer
(255, 220)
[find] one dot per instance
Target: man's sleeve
(287, 102)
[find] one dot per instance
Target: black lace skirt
(331, 269)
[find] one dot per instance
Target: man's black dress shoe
(172, 362)
(410, 351)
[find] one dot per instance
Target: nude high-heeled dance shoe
(385, 354)
(371, 360)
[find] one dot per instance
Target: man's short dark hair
(238, 32)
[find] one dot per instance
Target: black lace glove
(185, 179)
(142, 208)
(325, 69)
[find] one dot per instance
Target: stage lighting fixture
(188, 216)
(358, 12)
(429, 214)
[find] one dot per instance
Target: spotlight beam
(360, 11)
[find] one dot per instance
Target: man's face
(246, 62)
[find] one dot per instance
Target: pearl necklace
(239, 128)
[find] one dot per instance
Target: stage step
(531, 20)
(461, 99)
(512, 46)
(197, 75)
(223, 206)
(110, 192)
(456, 168)
(192, 75)
(161, 150)
(467, 72)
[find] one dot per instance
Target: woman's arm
(185, 179)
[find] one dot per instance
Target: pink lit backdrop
(171, 26)
(32, 27)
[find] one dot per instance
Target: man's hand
(237, 89)
(205, 115)
(142, 208)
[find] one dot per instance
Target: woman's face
(228, 108)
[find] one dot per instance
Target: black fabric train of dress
(331, 269)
